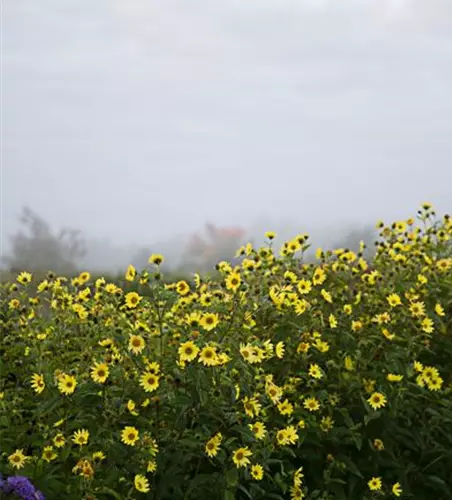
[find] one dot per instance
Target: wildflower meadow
(287, 375)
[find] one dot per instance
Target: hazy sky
(137, 120)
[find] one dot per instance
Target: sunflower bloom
(258, 429)
(156, 259)
(394, 300)
(209, 321)
(311, 404)
(279, 350)
(213, 445)
(285, 408)
(315, 371)
(332, 321)
(233, 281)
(24, 278)
(152, 466)
(374, 484)
(287, 436)
(188, 351)
(37, 383)
(141, 484)
(394, 377)
(48, 454)
(136, 344)
(59, 440)
(130, 435)
(257, 472)
(130, 273)
(99, 373)
(132, 299)
(66, 384)
(80, 437)
(241, 457)
(377, 400)
(149, 381)
(252, 406)
(18, 459)
(439, 309)
(378, 444)
(396, 489)
(304, 287)
(182, 288)
(208, 356)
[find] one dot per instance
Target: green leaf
(111, 492)
(358, 440)
(437, 481)
(242, 488)
(371, 416)
(228, 495)
(351, 466)
(232, 477)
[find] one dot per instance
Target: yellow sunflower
(394, 377)
(130, 273)
(67, 384)
(285, 408)
(374, 484)
(156, 259)
(394, 300)
(257, 472)
(37, 383)
(182, 288)
(136, 344)
(24, 278)
(80, 437)
(213, 445)
(99, 373)
(396, 489)
(311, 404)
(149, 381)
(315, 371)
(377, 400)
(18, 459)
(208, 356)
(141, 483)
(252, 406)
(209, 321)
(240, 457)
(188, 351)
(132, 299)
(279, 350)
(130, 435)
(59, 440)
(233, 281)
(258, 429)
(378, 444)
(48, 454)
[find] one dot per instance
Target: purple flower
(21, 487)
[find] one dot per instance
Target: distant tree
(36, 248)
(219, 243)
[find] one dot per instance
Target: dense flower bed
(285, 378)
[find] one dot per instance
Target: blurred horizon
(186, 253)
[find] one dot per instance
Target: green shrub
(278, 379)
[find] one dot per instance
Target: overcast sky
(137, 120)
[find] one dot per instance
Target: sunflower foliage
(282, 378)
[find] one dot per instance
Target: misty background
(138, 122)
